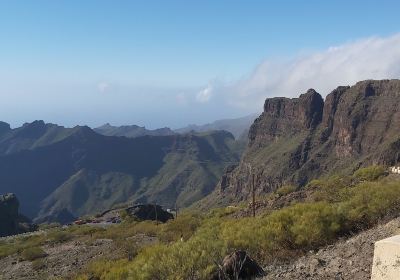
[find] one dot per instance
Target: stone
(386, 263)
(238, 265)
(151, 212)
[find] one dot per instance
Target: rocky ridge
(299, 139)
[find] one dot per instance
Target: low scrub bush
(19, 244)
(185, 226)
(370, 173)
(33, 253)
(59, 236)
(285, 190)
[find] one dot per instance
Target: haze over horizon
(172, 63)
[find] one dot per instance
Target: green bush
(17, 245)
(370, 173)
(33, 253)
(184, 226)
(330, 189)
(369, 202)
(59, 236)
(285, 190)
(49, 226)
(6, 249)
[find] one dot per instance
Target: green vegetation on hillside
(33, 253)
(191, 246)
(358, 202)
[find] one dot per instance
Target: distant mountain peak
(238, 126)
(4, 127)
(131, 131)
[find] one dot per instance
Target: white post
(386, 264)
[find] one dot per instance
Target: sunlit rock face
(296, 140)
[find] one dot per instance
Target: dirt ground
(349, 259)
(62, 261)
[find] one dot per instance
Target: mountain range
(239, 127)
(61, 173)
(131, 131)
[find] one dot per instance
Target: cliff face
(8, 214)
(284, 117)
(296, 140)
(11, 222)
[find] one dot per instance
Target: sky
(173, 63)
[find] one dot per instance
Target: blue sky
(170, 63)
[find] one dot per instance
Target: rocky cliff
(11, 222)
(296, 140)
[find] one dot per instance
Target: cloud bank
(204, 95)
(370, 58)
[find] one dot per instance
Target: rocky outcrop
(11, 222)
(296, 140)
(238, 265)
(284, 116)
(8, 214)
(150, 212)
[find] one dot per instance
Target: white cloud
(103, 86)
(370, 58)
(204, 95)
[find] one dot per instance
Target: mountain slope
(296, 140)
(31, 135)
(131, 131)
(239, 127)
(85, 172)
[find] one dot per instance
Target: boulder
(238, 265)
(151, 212)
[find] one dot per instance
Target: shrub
(194, 259)
(371, 173)
(330, 189)
(6, 249)
(370, 202)
(285, 190)
(105, 269)
(59, 236)
(33, 253)
(49, 226)
(183, 226)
